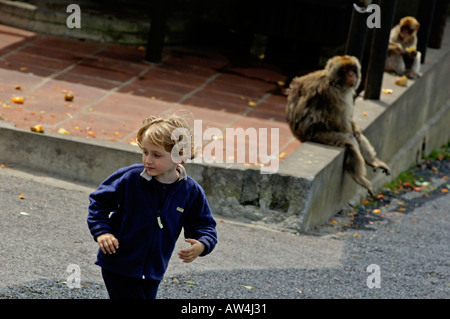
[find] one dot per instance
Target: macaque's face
(349, 76)
(408, 28)
(343, 71)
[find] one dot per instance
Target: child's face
(158, 162)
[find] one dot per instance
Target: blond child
(136, 215)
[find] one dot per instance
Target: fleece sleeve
(103, 201)
(200, 224)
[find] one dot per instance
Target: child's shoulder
(132, 168)
(129, 171)
(192, 184)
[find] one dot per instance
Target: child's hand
(189, 254)
(108, 243)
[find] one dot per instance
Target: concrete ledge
(68, 157)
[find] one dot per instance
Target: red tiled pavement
(115, 89)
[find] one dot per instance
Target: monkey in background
(320, 109)
(402, 56)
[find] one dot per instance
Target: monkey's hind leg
(354, 166)
(353, 162)
(370, 157)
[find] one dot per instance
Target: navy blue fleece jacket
(126, 205)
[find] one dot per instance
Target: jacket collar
(180, 169)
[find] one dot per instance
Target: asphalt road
(45, 246)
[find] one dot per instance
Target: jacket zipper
(170, 193)
(158, 219)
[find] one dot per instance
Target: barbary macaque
(402, 56)
(320, 109)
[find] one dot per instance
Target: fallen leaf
(17, 99)
(376, 211)
(69, 96)
(37, 128)
(444, 190)
(21, 196)
(251, 103)
(190, 282)
(247, 287)
(387, 91)
(401, 81)
(63, 131)
(355, 235)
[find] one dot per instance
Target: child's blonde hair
(158, 131)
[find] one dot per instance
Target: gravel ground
(404, 231)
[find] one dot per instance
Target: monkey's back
(315, 106)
